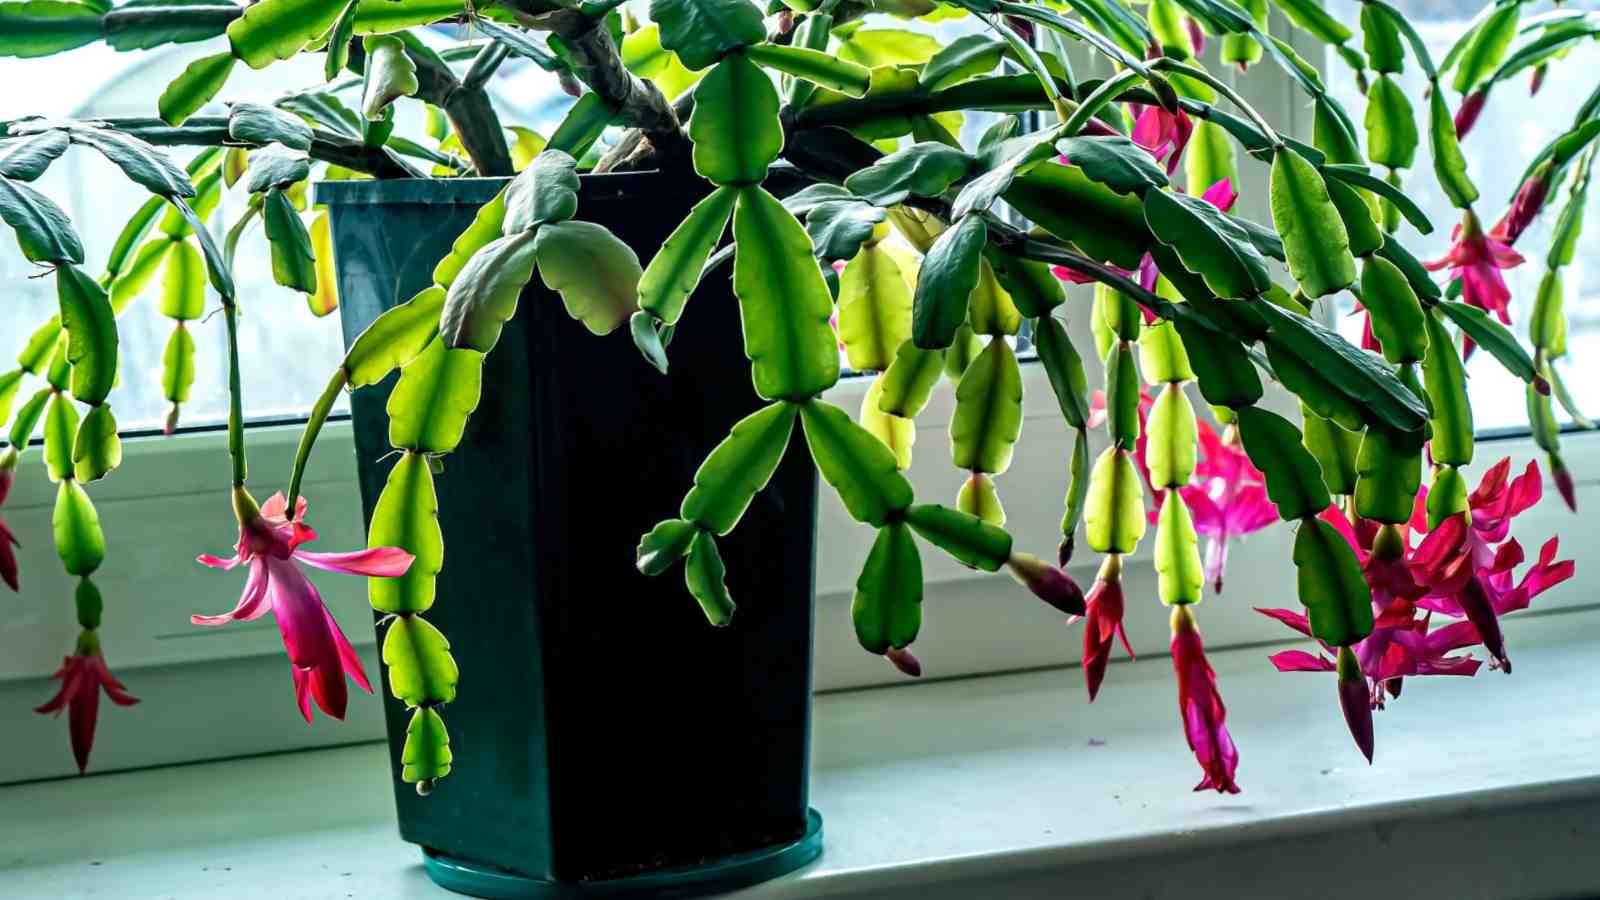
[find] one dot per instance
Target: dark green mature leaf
(1314, 239)
(1449, 164)
(483, 297)
(1335, 593)
(96, 449)
(859, 466)
(1115, 162)
(814, 66)
(421, 669)
(1314, 388)
(338, 48)
(703, 31)
(91, 334)
(965, 57)
(1294, 480)
(276, 166)
(925, 169)
(838, 228)
(1359, 375)
(1113, 515)
(75, 525)
(664, 545)
(1416, 275)
(142, 163)
(596, 274)
(1493, 337)
(1361, 178)
(1063, 201)
(425, 756)
(45, 27)
(194, 87)
(436, 393)
(909, 380)
(1064, 367)
(966, 537)
(278, 29)
(407, 516)
(1017, 157)
(945, 282)
(1397, 318)
(740, 468)
(1223, 370)
(257, 123)
(887, 607)
(1033, 288)
(1446, 384)
(294, 264)
(1208, 243)
(735, 125)
(43, 231)
(988, 413)
(216, 264)
(26, 158)
(145, 24)
(785, 303)
(704, 575)
(1334, 449)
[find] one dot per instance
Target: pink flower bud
(1536, 80)
(1467, 115)
(1355, 698)
(1563, 479)
(1047, 582)
(905, 661)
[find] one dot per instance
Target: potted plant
(779, 167)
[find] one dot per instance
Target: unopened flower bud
(905, 661)
(1047, 582)
(1471, 107)
(1355, 698)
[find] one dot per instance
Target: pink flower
(1524, 207)
(1162, 134)
(1355, 700)
(1102, 624)
(1221, 194)
(8, 541)
(1467, 115)
(1477, 258)
(319, 654)
(83, 676)
(1227, 499)
(1204, 716)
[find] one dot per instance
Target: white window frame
(212, 693)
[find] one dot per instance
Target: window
(1512, 128)
(287, 353)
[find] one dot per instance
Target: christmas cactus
(920, 255)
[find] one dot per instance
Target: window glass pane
(1511, 130)
(287, 353)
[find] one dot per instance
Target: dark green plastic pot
(607, 740)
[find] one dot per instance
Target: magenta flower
(1563, 479)
(1524, 207)
(1467, 114)
(1162, 134)
(319, 654)
(1204, 716)
(1355, 700)
(83, 676)
(1102, 624)
(1477, 258)
(1228, 499)
(8, 541)
(1197, 35)
(1467, 561)
(1221, 194)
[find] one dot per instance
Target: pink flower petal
(251, 603)
(381, 562)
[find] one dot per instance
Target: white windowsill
(1483, 787)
